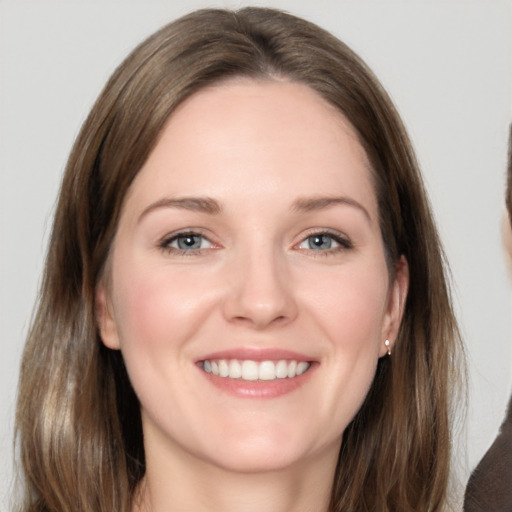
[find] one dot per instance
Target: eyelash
(343, 242)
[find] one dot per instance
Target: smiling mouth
(250, 370)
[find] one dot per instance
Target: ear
(396, 306)
(105, 318)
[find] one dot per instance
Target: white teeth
(267, 370)
(223, 368)
(235, 370)
(253, 370)
(282, 369)
(302, 367)
(292, 367)
(249, 370)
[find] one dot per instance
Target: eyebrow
(322, 203)
(212, 207)
(195, 204)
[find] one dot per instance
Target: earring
(388, 347)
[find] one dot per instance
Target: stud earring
(388, 347)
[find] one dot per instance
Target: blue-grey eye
(189, 242)
(319, 242)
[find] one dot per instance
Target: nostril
(260, 321)
(259, 299)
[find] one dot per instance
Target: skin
(506, 237)
(261, 153)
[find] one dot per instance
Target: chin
(259, 460)
(269, 449)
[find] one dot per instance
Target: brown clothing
(490, 485)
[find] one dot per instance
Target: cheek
(343, 310)
(351, 313)
(156, 307)
(158, 312)
(350, 305)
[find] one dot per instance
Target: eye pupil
(320, 242)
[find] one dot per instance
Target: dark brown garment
(490, 485)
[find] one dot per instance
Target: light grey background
(447, 64)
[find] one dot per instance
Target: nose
(260, 292)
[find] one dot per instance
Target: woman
(242, 239)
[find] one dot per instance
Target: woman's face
(248, 288)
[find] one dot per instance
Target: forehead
(256, 137)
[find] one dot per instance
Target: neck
(204, 487)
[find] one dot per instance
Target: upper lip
(257, 354)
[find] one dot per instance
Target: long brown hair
(78, 420)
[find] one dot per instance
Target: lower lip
(259, 388)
